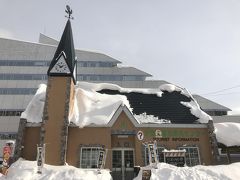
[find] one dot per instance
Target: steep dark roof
(65, 45)
(208, 105)
(167, 106)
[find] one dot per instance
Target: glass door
(123, 164)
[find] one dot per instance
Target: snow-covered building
(76, 121)
(118, 124)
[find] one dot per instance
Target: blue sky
(192, 43)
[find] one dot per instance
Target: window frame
(91, 160)
(158, 153)
(188, 155)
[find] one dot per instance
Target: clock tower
(59, 99)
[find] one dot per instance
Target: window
(18, 90)
(23, 77)
(192, 155)
(160, 155)
(24, 63)
(10, 112)
(89, 157)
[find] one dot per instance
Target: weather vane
(69, 12)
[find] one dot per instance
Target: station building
(76, 120)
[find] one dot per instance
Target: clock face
(60, 67)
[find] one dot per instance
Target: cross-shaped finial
(69, 12)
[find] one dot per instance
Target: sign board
(152, 152)
(101, 159)
(176, 158)
(140, 135)
(40, 158)
(7, 151)
(177, 161)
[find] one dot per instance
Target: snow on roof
(193, 105)
(95, 108)
(91, 107)
(145, 118)
(228, 133)
(34, 110)
(27, 170)
(101, 86)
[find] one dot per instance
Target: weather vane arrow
(69, 12)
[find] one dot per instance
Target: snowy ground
(169, 172)
(27, 170)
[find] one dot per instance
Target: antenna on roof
(69, 12)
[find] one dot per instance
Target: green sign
(171, 133)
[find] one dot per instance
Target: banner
(40, 158)
(7, 150)
(152, 153)
(101, 159)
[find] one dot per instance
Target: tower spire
(64, 61)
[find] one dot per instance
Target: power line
(224, 94)
(222, 90)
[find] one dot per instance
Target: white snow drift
(27, 170)
(170, 172)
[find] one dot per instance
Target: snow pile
(167, 171)
(27, 170)
(145, 118)
(228, 133)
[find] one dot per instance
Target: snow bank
(27, 170)
(170, 172)
(228, 133)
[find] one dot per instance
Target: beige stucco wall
(98, 136)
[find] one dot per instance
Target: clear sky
(191, 43)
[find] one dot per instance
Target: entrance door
(122, 164)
